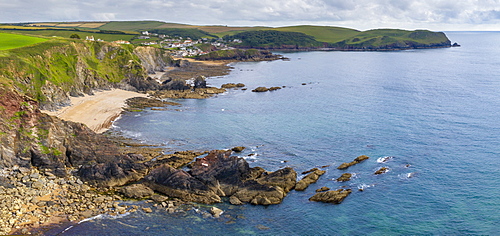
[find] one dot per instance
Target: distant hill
(302, 36)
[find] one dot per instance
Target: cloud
(361, 13)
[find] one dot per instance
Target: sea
(431, 116)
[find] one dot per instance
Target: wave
(384, 159)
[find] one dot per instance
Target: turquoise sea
(436, 110)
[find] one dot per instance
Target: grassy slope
(67, 33)
(10, 41)
(131, 25)
(322, 33)
(56, 61)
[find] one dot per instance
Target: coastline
(97, 111)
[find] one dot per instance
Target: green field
(67, 33)
(10, 41)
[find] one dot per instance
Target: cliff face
(55, 70)
(44, 77)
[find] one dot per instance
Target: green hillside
(10, 41)
(322, 33)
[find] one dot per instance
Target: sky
(439, 15)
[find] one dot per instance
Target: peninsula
(55, 166)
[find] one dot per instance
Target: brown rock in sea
(309, 179)
(260, 89)
(381, 170)
(344, 177)
(216, 212)
(309, 171)
(322, 189)
(356, 161)
(238, 149)
(274, 88)
(334, 196)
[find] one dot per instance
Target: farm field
(10, 41)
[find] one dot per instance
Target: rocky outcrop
(356, 161)
(136, 191)
(309, 179)
(344, 177)
(232, 85)
(381, 170)
(221, 175)
(334, 196)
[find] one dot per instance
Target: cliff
(45, 76)
(52, 71)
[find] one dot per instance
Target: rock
(274, 88)
(137, 191)
(176, 160)
(238, 149)
(159, 198)
(216, 212)
(345, 177)
(381, 170)
(180, 184)
(147, 209)
(322, 189)
(235, 201)
(356, 161)
(309, 179)
(260, 89)
(334, 196)
(309, 171)
(285, 178)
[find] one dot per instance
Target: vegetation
(185, 33)
(10, 41)
(237, 54)
(275, 39)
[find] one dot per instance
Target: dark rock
(285, 178)
(356, 161)
(322, 189)
(260, 89)
(180, 184)
(141, 103)
(309, 179)
(274, 88)
(345, 177)
(334, 196)
(200, 82)
(136, 191)
(381, 170)
(238, 149)
(309, 171)
(176, 160)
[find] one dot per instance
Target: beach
(96, 111)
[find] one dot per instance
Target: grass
(83, 34)
(322, 33)
(11, 41)
(131, 25)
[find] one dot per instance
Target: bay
(436, 112)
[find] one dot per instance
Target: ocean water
(436, 112)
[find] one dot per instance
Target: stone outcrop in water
(221, 175)
(309, 179)
(356, 161)
(334, 196)
(344, 177)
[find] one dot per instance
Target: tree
(74, 36)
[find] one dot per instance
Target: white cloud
(362, 14)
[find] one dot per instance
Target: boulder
(260, 89)
(356, 161)
(285, 178)
(344, 177)
(309, 171)
(216, 212)
(309, 179)
(381, 170)
(274, 88)
(334, 196)
(238, 149)
(322, 189)
(136, 191)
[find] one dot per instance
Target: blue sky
(441, 15)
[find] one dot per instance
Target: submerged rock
(334, 196)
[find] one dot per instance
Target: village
(179, 46)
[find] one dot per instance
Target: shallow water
(436, 110)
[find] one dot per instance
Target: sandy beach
(97, 111)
